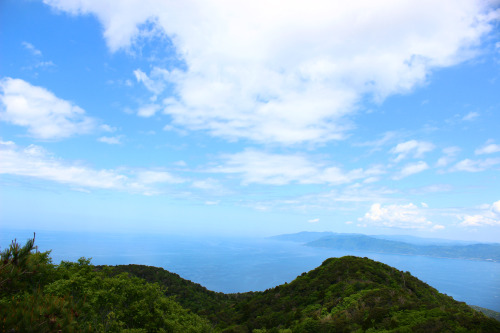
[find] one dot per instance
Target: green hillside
(347, 294)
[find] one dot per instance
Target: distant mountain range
(403, 245)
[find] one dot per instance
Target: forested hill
(342, 295)
(348, 294)
(359, 242)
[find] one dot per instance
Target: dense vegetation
(346, 294)
(37, 296)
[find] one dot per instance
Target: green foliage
(21, 269)
(74, 297)
(346, 294)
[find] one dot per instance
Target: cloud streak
(257, 167)
(34, 161)
(413, 148)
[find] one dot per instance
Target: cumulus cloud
(487, 215)
(279, 169)
(411, 169)
(413, 148)
(45, 115)
(408, 216)
(34, 161)
(290, 72)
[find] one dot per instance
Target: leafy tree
(37, 296)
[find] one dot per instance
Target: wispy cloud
(449, 156)
(148, 110)
(110, 140)
(278, 169)
(34, 161)
(30, 47)
(489, 148)
(470, 116)
(469, 165)
(411, 169)
(412, 148)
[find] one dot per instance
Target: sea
(236, 265)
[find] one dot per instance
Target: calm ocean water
(242, 264)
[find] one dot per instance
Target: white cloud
(155, 177)
(487, 215)
(290, 72)
(411, 169)
(155, 83)
(407, 216)
(148, 110)
(45, 115)
(488, 148)
(111, 140)
(449, 156)
(470, 116)
(313, 221)
(34, 161)
(413, 148)
(210, 185)
(475, 165)
(377, 144)
(30, 47)
(107, 128)
(276, 169)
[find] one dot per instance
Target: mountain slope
(342, 295)
(349, 294)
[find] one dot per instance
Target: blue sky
(251, 118)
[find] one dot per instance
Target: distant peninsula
(401, 245)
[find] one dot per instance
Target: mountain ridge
(342, 294)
